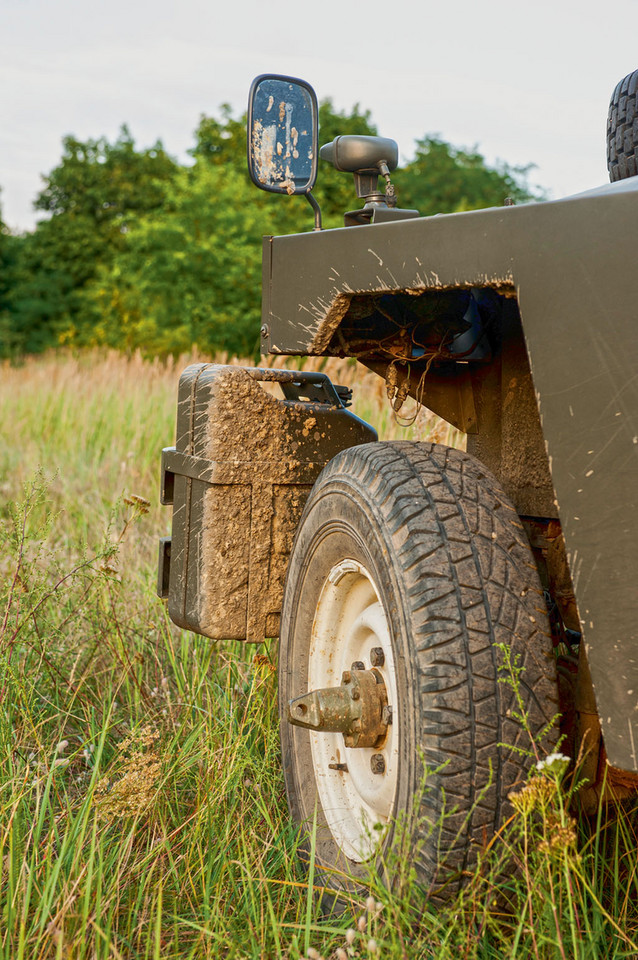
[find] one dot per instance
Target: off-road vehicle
(436, 609)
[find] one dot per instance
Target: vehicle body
(518, 326)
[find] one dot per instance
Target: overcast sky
(526, 82)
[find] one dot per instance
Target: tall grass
(142, 804)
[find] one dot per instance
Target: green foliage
(446, 179)
(106, 183)
(10, 342)
(190, 275)
(92, 197)
(221, 141)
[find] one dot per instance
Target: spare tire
(622, 129)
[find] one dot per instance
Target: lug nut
(358, 665)
(386, 714)
(377, 763)
(345, 676)
(377, 657)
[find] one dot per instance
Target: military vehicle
(436, 608)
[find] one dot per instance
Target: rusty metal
(377, 657)
(357, 709)
(377, 763)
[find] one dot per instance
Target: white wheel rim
(349, 621)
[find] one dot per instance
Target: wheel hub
(347, 712)
(358, 709)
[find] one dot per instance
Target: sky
(525, 82)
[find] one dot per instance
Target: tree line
(138, 251)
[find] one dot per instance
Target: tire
(622, 129)
(414, 549)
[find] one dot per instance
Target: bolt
(265, 330)
(346, 677)
(355, 694)
(343, 767)
(358, 665)
(377, 763)
(386, 714)
(377, 657)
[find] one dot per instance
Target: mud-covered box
(249, 445)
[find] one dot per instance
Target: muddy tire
(622, 129)
(414, 550)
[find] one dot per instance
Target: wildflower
(61, 747)
(361, 924)
(341, 954)
(555, 764)
(136, 789)
(370, 904)
(372, 946)
(561, 836)
(313, 954)
(534, 795)
(350, 936)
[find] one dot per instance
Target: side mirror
(283, 135)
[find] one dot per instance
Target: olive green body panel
(568, 270)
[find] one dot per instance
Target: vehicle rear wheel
(409, 570)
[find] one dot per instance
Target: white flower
(555, 763)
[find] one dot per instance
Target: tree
(445, 179)
(92, 198)
(190, 273)
(10, 340)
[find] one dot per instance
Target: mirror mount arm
(315, 206)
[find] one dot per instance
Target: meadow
(143, 812)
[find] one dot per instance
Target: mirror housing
(283, 134)
(358, 154)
